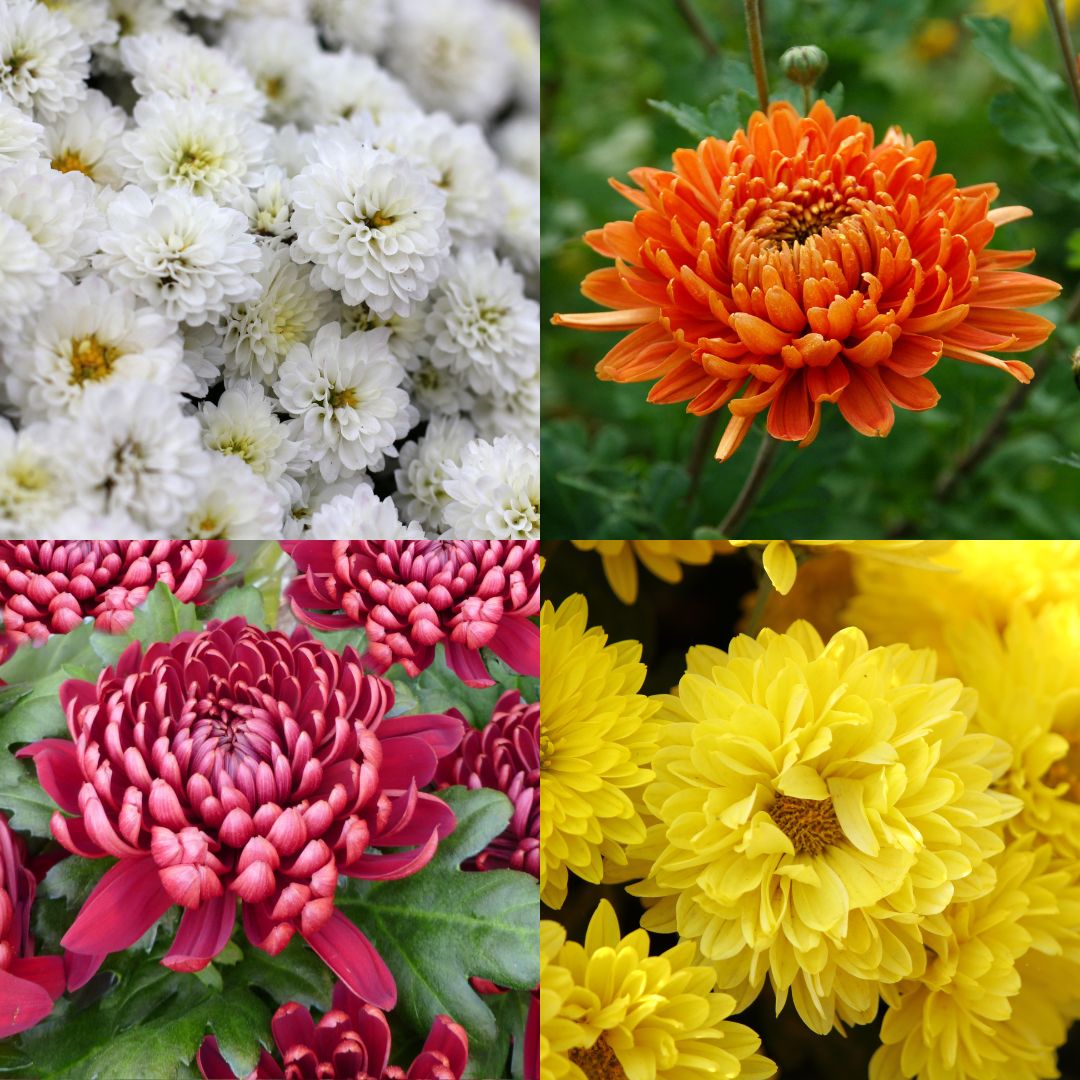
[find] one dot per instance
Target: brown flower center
(810, 824)
(344, 398)
(1067, 769)
(806, 210)
(91, 360)
(598, 1062)
(69, 161)
(379, 220)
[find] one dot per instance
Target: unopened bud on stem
(804, 65)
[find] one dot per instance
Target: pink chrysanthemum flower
(351, 1042)
(505, 756)
(239, 764)
(410, 595)
(28, 984)
(50, 586)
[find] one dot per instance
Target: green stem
(1058, 19)
(752, 488)
(757, 51)
(697, 26)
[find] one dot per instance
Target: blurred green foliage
(615, 466)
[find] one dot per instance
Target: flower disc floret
(815, 805)
(235, 764)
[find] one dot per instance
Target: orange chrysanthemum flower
(801, 262)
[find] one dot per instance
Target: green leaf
(245, 601)
(438, 928)
(31, 663)
(339, 640)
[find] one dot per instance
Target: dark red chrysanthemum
(410, 595)
(28, 984)
(50, 586)
(351, 1042)
(239, 764)
(505, 756)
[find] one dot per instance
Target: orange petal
(790, 415)
(1002, 215)
(865, 403)
(608, 288)
(1027, 329)
(916, 393)
(629, 319)
(914, 354)
(938, 322)
(680, 384)
(828, 383)
(1017, 368)
(784, 311)
(758, 335)
(733, 436)
(1006, 288)
(871, 350)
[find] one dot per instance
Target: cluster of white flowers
(268, 268)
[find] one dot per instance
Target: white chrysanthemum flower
(279, 54)
(87, 335)
(347, 84)
(522, 36)
(518, 144)
(437, 390)
(494, 491)
(293, 149)
(459, 161)
(133, 18)
(361, 24)
(268, 208)
(21, 137)
(408, 336)
(258, 333)
(34, 487)
(203, 355)
(373, 224)
(184, 254)
(516, 413)
(130, 449)
(453, 54)
(237, 504)
(94, 525)
(243, 424)
(421, 475)
(87, 140)
(205, 9)
(483, 327)
(58, 209)
(43, 61)
(348, 394)
(208, 149)
(90, 18)
(519, 238)
(26, 272)
(182, 66)
(361, 515)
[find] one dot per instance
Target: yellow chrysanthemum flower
(664, 558)
(990, 577)
(813, 805)
(1000, 987)
(1028, 681)
(557, 1036)
(1028, 17)
(632, 1016)
(782, 565)
(596, 739)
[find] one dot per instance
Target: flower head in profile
(801, 263)
(28, 984)
(597, 741)
(504, 756)
(411, 595)
(351, 1040)
(999, 991)
(50, 586)
(621, 1012)
(815, 804)
(664, 558)
(235, 764)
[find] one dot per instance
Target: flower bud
(804, 64)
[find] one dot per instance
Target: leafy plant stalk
(757, 51)
(690, 14)
(742, 505)
(1058, 19)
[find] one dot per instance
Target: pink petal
(125, 903)
(22, 1004)
(57, 764)
(204, 931)
(428, 813)
(442, 733)
(353, 958)
(518, 644)
(81, 967)
(46, 971)
(391, 867)
(211, 1064)
(292, 1026)
(407, 760)
(468, 665)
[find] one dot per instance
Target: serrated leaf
(73, 879)
(161, 617)
(438, 928)
(245, 601)
(31, 663)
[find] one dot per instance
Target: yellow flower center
(806, 210)
(810, 824)
(1067, 770)
(91, 360)
(598, 1062)
(343, 399)
(69, 161)
(547, 751)
(379, 220)
(193, 161)
(272, 86)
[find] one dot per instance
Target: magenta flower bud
(351, 1042)
(505, 756)
(236, 764)
(411, 595)
(28, 984)
(50, 586)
